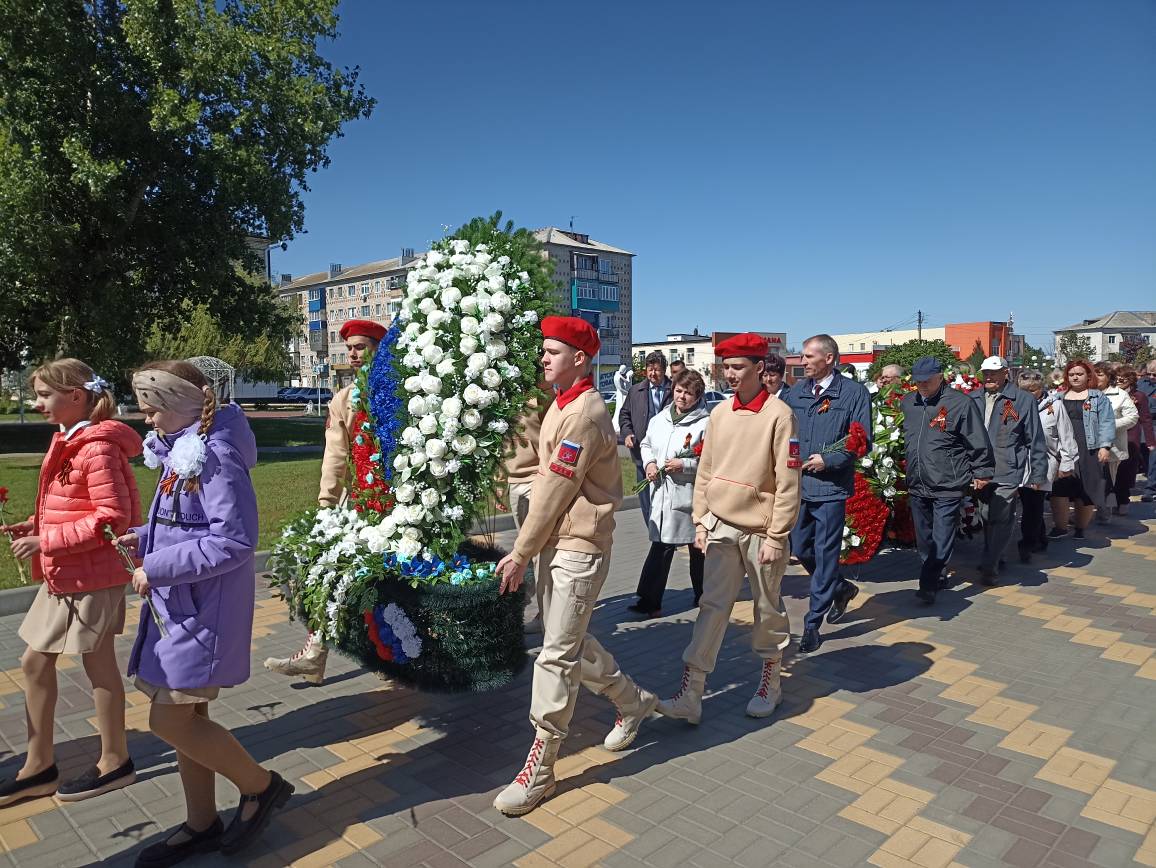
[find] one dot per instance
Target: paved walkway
(1009, 725)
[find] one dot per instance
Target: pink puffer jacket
(85, 483)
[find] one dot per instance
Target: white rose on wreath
(411, 436)
(472, 419)
(437, 468)
(472, 394)
(413, 384)
(469, 304)
(491, 378)
(450, 297)
(417, 458)
(431, 385)
(400, 462)
(427, 425)
(430, 498)
(433, 354)
(496, 348)
(464, 444)
(468, 345)
(435, 448)
(452, 407)
(405, 493)
(469, 326)
(494, 322)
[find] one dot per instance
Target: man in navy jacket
(1021, 459)
(825, 404)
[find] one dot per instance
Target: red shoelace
(768, 670)
(523, 777)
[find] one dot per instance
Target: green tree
(144, 146)
(262, 358)
(977, 355)
(1033, 358)
(1130, 347)
(1073, 346)
(905, 354)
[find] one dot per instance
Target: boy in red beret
(361, 338)
(746, 500)
(577, 488)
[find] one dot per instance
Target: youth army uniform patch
(566, 459)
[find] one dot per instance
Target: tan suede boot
(687, 703)
(308, 663)
(535, 782)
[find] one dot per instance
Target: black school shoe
(242, 833)
(92, 783)
(40, 784)
(163, 853)
(847, 592)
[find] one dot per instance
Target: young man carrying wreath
(570, 528)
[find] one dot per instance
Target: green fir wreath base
(472, 636)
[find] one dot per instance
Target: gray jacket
(947, 446)
(637, 412)
(1021, 455)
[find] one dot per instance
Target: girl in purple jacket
(197, 575)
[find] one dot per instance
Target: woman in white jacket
(671, 435)
(1063, 453)
(1127, 416)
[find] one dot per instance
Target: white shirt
(83, 423)
(825, 383)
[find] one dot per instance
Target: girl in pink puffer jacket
(85, 483)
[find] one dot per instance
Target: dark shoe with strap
(846, 593)
(811, 641)
(925, 597)
(34, 786)
(163, 853)
(241, 833)
(1058, 533)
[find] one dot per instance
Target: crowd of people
(764, 476)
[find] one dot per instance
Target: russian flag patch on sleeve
(568, 452)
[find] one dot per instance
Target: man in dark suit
(825, 404)
(643, 402)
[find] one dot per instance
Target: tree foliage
(1033, 358)
(145, 148)
(906, 353)
(977, 355)
(1074, 346)
(264, 358)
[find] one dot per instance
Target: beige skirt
(73, 623)
(171, 696)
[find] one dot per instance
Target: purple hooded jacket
(198, 555)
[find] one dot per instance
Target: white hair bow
(97, 384)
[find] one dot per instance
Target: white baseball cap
(994, 363)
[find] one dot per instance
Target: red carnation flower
(3, 495)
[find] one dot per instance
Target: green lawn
(33, 436)
(286, 485)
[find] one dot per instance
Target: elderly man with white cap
(1021, 458)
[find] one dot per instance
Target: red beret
(364, 327)
(573, 331)
(747, 344)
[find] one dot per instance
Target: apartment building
(697, 351)
(326, 299)
(1109, 333)
(594, 282)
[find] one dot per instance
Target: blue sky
(801, 167)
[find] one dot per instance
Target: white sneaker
(533, 626)
(308, 663)
(769, 693)
(535, 782)
(629, 720)
(687, 703)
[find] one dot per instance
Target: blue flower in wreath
(393, 634)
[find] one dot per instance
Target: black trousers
(1033, 535)
(656, 569)
(936, 522)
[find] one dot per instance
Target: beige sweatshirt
(338, 440)
(522, 449)
(743, 477)
(578, 485)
